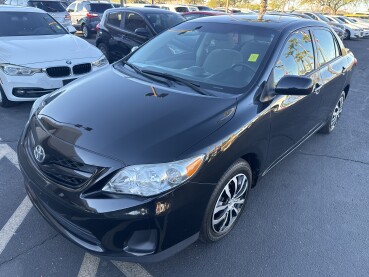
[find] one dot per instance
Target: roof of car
(8, 8)
(268, 21)
(143, 10)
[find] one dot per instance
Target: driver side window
(297, 57)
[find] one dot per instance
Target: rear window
(48, 6)
(28, 24)
(181, 9)
(99, 8)
(163, 21)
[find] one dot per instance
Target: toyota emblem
(39, 153)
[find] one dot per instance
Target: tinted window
(134, 21)
(203, 8)
(99, 7)
(297, 57)
(181, 9)
(28, 24)
(48, 6)
(79, 7)
(71, 7)
(115, 19)
(163, 21)
(217, 56)
(325, 46)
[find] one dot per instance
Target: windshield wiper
(178, 80)
(139, 71)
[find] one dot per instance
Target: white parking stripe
(14, 222)
(131, 269)
(7, 152)
(21, 212)
(89, 266)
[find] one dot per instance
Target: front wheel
(85, 31)
(347, 35)
(331, 124)
(4, 101)
(227, 202)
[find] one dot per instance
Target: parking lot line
(21, 212)
(131, 269)
(14, 222)
(89, 266)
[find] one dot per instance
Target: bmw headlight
(152, 179)
(100, 62)
(17, 70)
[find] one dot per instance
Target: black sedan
(162, 147)
(120, 30)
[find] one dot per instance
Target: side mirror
(294, 85)
(71, 29)
(142, 32)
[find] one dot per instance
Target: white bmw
(38, 55)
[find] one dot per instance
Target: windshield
(223, 57)
(48, 6)
(99, 8)
(339, 20)
(29, 24)
(163, 21)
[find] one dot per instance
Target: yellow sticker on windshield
(253, 58)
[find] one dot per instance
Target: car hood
(119, 116)
(25, 50)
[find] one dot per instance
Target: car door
(114, 25)
(293, 118)
(131, 37)
(333, 66)
(71, 10)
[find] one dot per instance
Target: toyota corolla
(142, 158)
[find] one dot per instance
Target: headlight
(100, 62)
(152, 179)
(17, 70)
(38, 103)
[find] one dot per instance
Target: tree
(332, 5)
(263, 9)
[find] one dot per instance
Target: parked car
(360, 21)
(87, 14)
(202, 8)
(55, 8)
(120, 30)
(230, 10)
(163, 147)
(364, 26)
(193, 15)
(323, 18)
(351, 31)
(179, 8)
(57, 56)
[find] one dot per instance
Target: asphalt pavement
(308, 217)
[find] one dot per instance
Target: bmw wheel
(227, 202)
(4, 101)
(331, 124)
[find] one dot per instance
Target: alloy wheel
(229, 204)
(85, 31)
(337, 112)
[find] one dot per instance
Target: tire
(217, 224)
(104, 49)
(4, 101)
(85, 31)
(347, 34)
(335, 115)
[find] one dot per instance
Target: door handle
(316, 89)
(344, 69)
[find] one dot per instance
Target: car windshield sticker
(253, 58)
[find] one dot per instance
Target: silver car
(55, 8)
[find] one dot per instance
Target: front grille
(62, 171)
(60, 71)
(81, 68)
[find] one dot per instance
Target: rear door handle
(316, 89)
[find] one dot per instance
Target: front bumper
(129, 228)
(33, 86)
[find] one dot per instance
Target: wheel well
(254, 163)
(346, 90)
